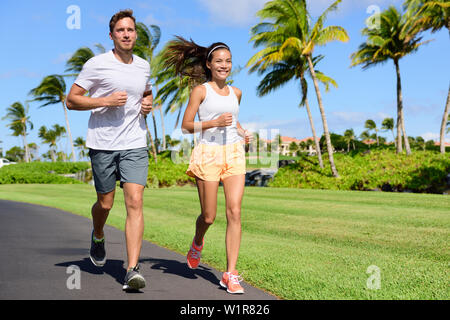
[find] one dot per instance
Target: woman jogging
(219, 155)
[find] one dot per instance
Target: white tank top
(213, 106)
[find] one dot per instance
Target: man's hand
(147, 105)
(117, 99)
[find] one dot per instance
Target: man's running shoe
(194, 255)
(230, 281)
(97, 252)
(133, 279)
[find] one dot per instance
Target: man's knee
(208, 217)
(105, 206)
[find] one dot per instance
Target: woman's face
(220, 64)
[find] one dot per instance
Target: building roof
(438, 143)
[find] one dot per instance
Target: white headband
(216, 47)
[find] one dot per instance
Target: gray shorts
(124, 166)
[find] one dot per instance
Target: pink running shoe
(194, 255)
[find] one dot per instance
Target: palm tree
(371, 125)
(349, 137)
(388, 124)
(80, 144)
(146, 43)
(20, 121)
(175, 89)
(51, 137)
(291, 23)
(365, 135)
(392, 40)
(80, 57)
(282, 66)
(432, 15)
(52, 90)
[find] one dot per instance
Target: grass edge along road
(297, 244)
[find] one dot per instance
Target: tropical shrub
(41, 172)
(423, 171)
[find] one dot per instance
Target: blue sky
(37, 43)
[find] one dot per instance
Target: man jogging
(119, 98)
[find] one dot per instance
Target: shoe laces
(235, 278)
(195, 253)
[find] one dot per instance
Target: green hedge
(167, 173)
(41, 172)
(423, 171)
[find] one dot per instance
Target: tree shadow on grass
(430, 179)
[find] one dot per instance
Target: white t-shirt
(116, 128)
(211, 108)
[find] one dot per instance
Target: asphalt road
(44, 254)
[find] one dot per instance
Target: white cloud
(62, 58)
(232, 12)
(430, 136)
(298, 128)
(316, 7)
(150, 19)
(19, 73)
(243, 12)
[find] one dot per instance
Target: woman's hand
(248, 136)
(224, 120)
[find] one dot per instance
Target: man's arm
(76, 100)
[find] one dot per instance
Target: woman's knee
(234, 214)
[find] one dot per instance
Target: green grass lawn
(298, 244)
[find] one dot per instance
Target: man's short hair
(128, 13)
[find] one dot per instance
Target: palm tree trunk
(399, 114)
(400, 118)
(154, 128)
(164, 143)
(324, 119)
(313, 129)
(69, 133)
(393, 135)
(25, 145)
(444, 122)
(52, 153)
(405, 137)
(163, 130)
(151, 141)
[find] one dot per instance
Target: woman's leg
(207, 192)
(233, 187)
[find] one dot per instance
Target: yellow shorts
(215, 163)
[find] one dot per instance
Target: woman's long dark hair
(189, 59)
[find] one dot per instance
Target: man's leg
(134, 227)
(100, 211)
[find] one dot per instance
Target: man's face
(124, 34)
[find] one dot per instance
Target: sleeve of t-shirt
(149, 85)
(88, 76)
